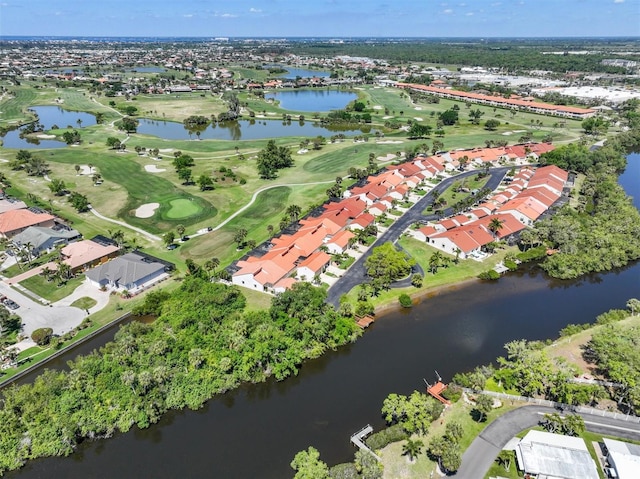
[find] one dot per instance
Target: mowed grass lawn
(51, 290)
(465, 270)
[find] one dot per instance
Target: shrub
(510, 264)
(405, 300)
(344, 471)
(453, 393)
(531, 254)
(42, 336)
(612, 316)
(391, 434)
(572, 329)
(364, 308)
(492, 275)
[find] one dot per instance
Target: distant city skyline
(321, 18)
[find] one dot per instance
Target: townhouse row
(305, 254)
(528, 196)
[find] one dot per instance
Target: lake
(312, 100)
(255, 431)
(240, 130)
(49, 116)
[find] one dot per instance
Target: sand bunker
(389, 141)
(166, 150)
(147, 211)
(153, 169)
(46, 137)
(387, 117)
(387, 157)
(303, 151)
(378, 107)
(418, 108)
(85, 170)
(417, 118)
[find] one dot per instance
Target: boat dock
(358, 439)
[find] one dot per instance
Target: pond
(49, 116)
(240, 130)
(312, 100)
(293, 73)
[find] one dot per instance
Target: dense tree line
(203, 343)
(513, 56)
(603, 232)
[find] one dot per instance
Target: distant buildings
(499, 101)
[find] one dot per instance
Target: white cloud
(188, 15)
(225, 15)
(255, 10)
(448, 11)
(469, 14)
(618, 1)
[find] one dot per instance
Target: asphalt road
(356, 274)
(480, 455)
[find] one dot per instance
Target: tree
(451, 458)
(388, 264)
(595, 126)
(273, 158)
(180, 229)
(484, 404)
(633, 305)
(416, 280)
(308, 465)
(239, 237)
(117, 236)
(128, 124)
(113, 143)
(79, 202)
(205, 182)
(168, 238)
(495, 225)
(504, 459)
(419, 131)
(475, 116)
(449, 117)
(294, 212)
(491, 124)
(412, 448)
(185, 175)
(57, 187)
(42, 336)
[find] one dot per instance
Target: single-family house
(9, 204)
(339, 243)
(86, 254)
(14, 222)
(44, 240)
(129, 272)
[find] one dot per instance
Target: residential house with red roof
(16, 221)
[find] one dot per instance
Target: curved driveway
(480, 455)
(356, 274)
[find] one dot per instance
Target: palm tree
(435, 261)
(294, 212)
(495, 225)
(412, 448)
(77, 168)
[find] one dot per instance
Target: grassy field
(51, 291)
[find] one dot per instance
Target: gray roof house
(44, 239)
(129, 271)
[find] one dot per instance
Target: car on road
(9, 303)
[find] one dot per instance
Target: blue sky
(327, 18)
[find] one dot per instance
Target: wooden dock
(358, 439)
(365, 321)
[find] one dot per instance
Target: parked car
(172, 246)
(11, 304)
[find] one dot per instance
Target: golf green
(182, 208)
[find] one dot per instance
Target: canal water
(255, 431)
